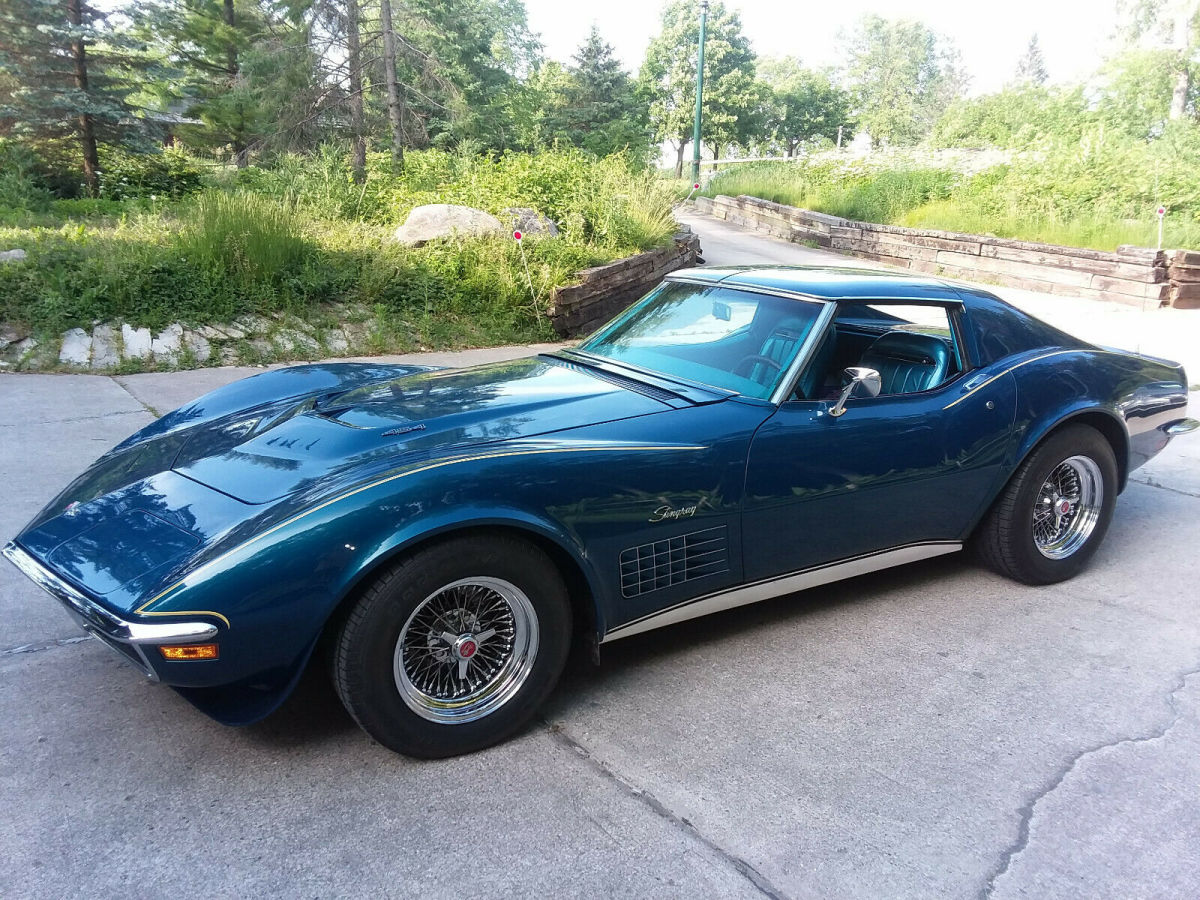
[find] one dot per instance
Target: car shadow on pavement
(312, 714)
(787, 611)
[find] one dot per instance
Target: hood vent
(630, 384)
(686, 557)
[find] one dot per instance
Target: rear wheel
(1052, 515)
(455, 647)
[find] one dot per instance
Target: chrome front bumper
(126, 637)
(1183, 426)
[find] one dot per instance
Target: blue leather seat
(781, 345)
(907, 362)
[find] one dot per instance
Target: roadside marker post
(1161, 212)
(517, 236)
(695, 187)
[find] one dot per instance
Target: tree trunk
(716, 152)
(87, 133)
(679, 158)
(232, 70)
(358, 155)
(395, 109)
(1183, 85)
(1183, 77)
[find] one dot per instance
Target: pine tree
(67, 77)
(208, 41)
(1031, 68)
(603, 114)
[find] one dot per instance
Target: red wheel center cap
(467, 649)
(1064, 507)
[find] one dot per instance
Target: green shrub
(20, 187)
(301, 234)
(169, 174)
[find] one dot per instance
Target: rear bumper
(1183, 426)
(127, 638)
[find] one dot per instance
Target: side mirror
(857, 375)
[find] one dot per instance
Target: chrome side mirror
(857, 375)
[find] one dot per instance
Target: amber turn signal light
(177, 653)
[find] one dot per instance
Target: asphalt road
(933, 731)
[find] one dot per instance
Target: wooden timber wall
(1133, 275)
(603, 291)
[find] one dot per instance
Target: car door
(891, 471)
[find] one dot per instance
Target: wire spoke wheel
(466, 650)
(1068, 507)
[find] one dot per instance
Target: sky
(991, 35)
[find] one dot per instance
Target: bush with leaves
(167, 175)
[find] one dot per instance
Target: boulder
(136, 342)
(529, 221)
(10, 334)
(440, 220)
(12, 255)
(76, 348)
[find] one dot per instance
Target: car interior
(909, 356)
(912, 345)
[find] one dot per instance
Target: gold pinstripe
(142, 610)
(980, 387)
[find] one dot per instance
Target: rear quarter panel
(1139, 395)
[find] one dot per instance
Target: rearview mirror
(857, 375)
(721, 311)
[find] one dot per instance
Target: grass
(304, 240)
(1019, 201)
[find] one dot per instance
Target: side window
(914, 347)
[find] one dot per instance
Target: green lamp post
(699, 95)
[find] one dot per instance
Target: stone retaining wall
(1133, 275)
(604, 291)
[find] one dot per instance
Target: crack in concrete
(760, 882)
(1150, 482)
(146, 406)
(126, 412)
(45, 645)
(1029, 809)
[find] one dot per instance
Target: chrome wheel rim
(1068, 507)
(466, 650)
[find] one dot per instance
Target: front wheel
(1052, 515)
(455, 647)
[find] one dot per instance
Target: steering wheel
(747, 361)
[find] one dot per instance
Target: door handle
(971, 383)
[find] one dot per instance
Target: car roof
(825, 282)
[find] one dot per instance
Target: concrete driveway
(933, 731)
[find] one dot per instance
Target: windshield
(723, 337)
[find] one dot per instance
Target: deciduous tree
(667, 80)
(902, 76)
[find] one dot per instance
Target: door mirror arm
(857, 375)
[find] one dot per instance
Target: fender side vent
(686, 557)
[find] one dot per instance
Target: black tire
(368, 660)
(1005, 540)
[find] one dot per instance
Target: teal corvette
(443, 536)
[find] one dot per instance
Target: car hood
(270, 453)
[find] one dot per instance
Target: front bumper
(127, 638)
